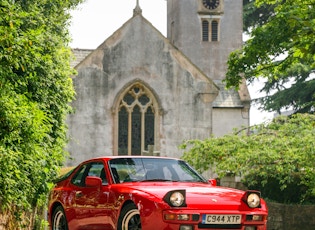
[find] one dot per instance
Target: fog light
(257, 218)
(183, 217)
(186, 227)
(254, 217)
(250, 228)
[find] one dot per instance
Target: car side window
(78, 178)
(91, 169)
(97, 169)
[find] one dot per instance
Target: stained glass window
(144, 100)
(136, 121)
(149, 127)
(123, 132)
(136, 131)
(129, 99)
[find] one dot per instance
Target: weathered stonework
(290, 217)
(190, 101)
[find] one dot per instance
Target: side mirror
(213, 182)
(93, 181)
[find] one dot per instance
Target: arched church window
(136, 121)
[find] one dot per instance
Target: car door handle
(78, 194)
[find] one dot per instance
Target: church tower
(207, 31)
(139, 93)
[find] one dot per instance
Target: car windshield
(152, 169)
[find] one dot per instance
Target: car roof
(128, 156)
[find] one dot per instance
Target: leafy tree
(35, 91)
(278, 158)
(281, 49)
(254, 16)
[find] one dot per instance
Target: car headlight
(252, 199)
(176, 198)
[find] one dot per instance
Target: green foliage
(35, 91)
(275, 158)
(280, 49)
(254, 16)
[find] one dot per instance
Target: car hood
(198, 195)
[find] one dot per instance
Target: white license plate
(221, 219)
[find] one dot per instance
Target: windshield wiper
(157, 179)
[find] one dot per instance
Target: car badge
(214, 200)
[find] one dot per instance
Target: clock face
(211, 4)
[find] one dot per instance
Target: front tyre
(59, 221)
(129, 218)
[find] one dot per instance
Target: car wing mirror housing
(93, 181)
(213, 182)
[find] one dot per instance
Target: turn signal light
(177, 217)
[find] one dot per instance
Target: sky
(95, 20)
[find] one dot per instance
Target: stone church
(141, 93)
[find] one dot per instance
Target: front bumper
(195, 220)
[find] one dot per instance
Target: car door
(91, 203)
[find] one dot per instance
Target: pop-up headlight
(176, 198)
(252, 199)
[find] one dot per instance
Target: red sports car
(151, 193)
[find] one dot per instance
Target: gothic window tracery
(136, 121)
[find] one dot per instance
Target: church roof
(140, 27)
(230, 98)
(225, 99)
(80, 55)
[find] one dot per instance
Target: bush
(277, 158)
(35, 92)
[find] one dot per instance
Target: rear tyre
(129, 218)
(59, 221)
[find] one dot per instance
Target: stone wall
(281, 216)
(291, 217)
